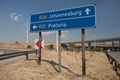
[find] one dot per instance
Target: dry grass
(13, 45)
(98, 68)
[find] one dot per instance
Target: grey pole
(57, 41)
(83, 53)
(59, 49)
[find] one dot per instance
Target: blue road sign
(81, 17)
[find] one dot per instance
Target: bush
(71, 46)
(29, 46)
(97, 49)
(77, 49)
(64, 47)
(51, 46)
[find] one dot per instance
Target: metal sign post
(59, 49)
(83, 53)
(39, 55)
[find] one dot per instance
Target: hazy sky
(15, 13)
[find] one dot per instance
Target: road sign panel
(81, 17)
(37, 43)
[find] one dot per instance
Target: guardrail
(115, 61)
(15, 54)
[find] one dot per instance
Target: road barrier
(114, 60)
(15, 54)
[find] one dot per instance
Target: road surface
(10, 60)
(115, 55)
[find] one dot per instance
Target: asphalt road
(10, 60)
(8, 50)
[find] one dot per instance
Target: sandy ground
(1, 52)
(97, 67)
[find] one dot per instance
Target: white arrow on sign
(34, 27)
(87, 10)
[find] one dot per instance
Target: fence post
(26, 55)
(36, 52)
(116, 66)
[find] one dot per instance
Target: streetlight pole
(27, 32)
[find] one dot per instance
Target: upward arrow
(87, 10)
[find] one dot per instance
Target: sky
(14, 15)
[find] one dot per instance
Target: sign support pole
(83, 53)
(59, 49)
(39, 55)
